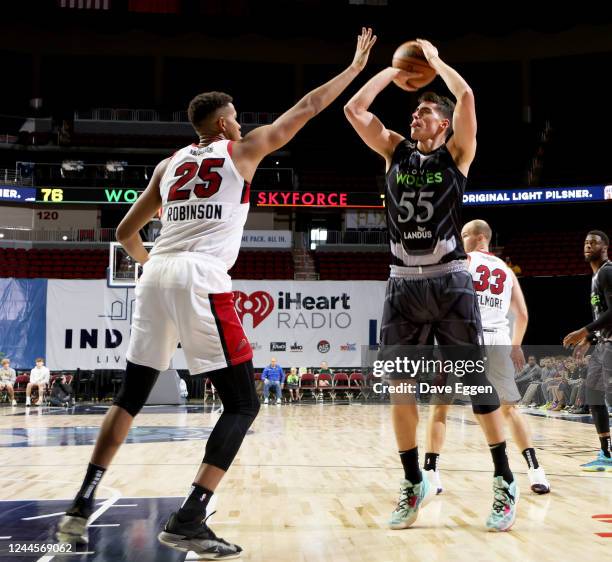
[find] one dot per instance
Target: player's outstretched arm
(262, 141)
(463, 142)
(140, 214)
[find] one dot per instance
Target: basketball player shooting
(185, 295)
(430, 290)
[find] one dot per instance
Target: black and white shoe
(72, 529)
(198, 537)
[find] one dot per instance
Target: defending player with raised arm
(430, 292)
(185, 295)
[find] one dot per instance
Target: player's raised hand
(365, 42)
(429, 51)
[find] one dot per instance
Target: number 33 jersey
(493, 282)
(205, 203)
(423, 205)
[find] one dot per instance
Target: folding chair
(325, 384)
(358, 382)
(307, 383)
(341, 384)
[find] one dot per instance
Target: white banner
(88, 324)
(266, 239)
(301, 323)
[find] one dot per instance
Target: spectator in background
(324, 369)
(39, 378)
(61, 393)
(530, 373)
(515, 268)
(274, 376)
(7, 379)
(293, 381)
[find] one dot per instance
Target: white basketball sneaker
(435, 481)
(537, 480)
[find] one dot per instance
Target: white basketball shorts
(500, 369)
(186, 298)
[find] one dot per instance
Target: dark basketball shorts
(444, 308)
(599, 375)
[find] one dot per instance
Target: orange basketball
(409, 56)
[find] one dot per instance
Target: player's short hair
(602, 235)
(445, 105)
(38, 359)
(203, 105)
(478, 226)
(5, 360)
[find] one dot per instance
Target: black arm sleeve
(605, 319)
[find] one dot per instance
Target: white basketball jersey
(205, 203)
(493, 285)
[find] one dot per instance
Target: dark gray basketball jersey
(423, 205)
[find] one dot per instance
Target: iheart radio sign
(258, 304)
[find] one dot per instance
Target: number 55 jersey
(423, 204)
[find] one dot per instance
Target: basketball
(409, 57)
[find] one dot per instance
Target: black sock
(194, 506)
(431, 461)
(606, 446)
(500, 460)
(83, 503)
(410, 462)
(530, 456)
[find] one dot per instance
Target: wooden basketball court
(311, 483)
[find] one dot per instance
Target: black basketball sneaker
(198, 537)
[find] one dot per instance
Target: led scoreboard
(322, 199)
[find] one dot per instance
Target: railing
(152, 115)
(100, 235)
(257, 117)
(14, 177)
(126, 175)
(345, 238)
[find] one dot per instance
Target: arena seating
(352, 265)
(92, 264)
(263, 265)
(548, 253)
(53, 263)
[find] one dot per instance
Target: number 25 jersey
(205, 203)
(423, 201)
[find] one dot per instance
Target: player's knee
(439, 413)
(136, 387)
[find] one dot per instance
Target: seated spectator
(530, 373)
(61, 393)
(39, 378)
(273, 376)
(517, 270)
(324, 369)
(7, 379)
(293, 381)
